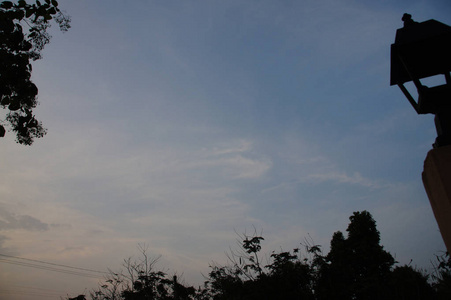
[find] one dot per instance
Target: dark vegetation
(23, 35)
(356, 267)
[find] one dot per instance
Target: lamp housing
(423, 50)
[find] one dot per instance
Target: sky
(178, 124)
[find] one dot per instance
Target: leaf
(6, 98)
(54, 3)
(14, 105)
(2, 131)
(6, 4)
(29, 13)
(20, 14)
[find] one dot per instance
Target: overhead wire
(25, 264)
(54, 264)
(48, 266)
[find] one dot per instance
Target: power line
(25, 264)
(52, 264)
(48, 266)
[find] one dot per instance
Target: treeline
(356, 267)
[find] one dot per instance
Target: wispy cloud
(11, 221)
(341, 177)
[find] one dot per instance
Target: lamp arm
(448, 78)
(409, 97)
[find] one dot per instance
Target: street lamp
(423, 50)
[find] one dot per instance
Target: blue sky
(176, 124)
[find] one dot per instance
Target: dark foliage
(287, 276)
(23, 35)
(442, 277)
(409, 283)
(356, 267)
(141, 281)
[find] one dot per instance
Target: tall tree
(357, 267)
(23, 35)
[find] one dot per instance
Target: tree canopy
(23, 35)
(356, 267)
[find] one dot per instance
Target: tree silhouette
(357, 266)
(442, 277)
(19, 46)
(410, 284)
(287, 275)
(141, 281)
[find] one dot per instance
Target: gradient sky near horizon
(176, 123)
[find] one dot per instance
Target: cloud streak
(11, 221)
(354, 179)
